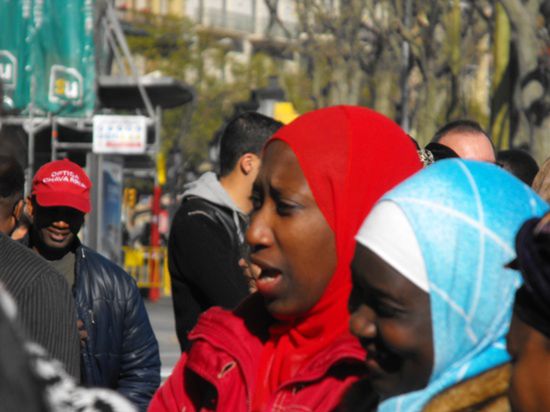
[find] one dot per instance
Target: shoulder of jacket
(485, 392)
(194, 203)
(18, 261)
(218, 322)
(196, 209)
(97, 261)
(226, 331)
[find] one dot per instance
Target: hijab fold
(350, 157)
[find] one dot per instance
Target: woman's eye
(256, 201)
(284, 208)
(387, 311)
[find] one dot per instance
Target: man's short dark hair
(245, 133)
(12, 183)
(459, 126)
(520, 163)
(441, 152)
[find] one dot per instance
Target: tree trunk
(501, 82)
(383, 85)
(428, 117)
(523, 16)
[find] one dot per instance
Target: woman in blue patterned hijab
(432, 300)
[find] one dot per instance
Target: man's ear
(18, 209)
(246, 163)
(29, 207)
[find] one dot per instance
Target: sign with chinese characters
(119, 134)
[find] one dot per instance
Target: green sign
(47, 55)
(15, 21)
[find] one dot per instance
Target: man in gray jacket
(207, 232)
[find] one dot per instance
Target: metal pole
(55, 136)
(30, 154)
(30, 148)
(154, 264)
(99, 201)
(158, 121)
(406, 51)
(117, 30)
(112, 44)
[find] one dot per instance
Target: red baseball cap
(62, 183)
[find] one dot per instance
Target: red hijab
(350, 157)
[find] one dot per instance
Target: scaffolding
(126, 91)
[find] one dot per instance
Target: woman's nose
(259, 233)
(363, 322)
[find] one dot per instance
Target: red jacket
(219, 372)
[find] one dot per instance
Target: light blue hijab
(465, 216)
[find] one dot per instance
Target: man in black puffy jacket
(208, 229)
(118, 347)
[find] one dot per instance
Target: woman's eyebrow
(279, 192)
(372, 290)
(384, 294)
(274, 191)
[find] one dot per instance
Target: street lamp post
(269, 96)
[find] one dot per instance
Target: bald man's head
(467, 139)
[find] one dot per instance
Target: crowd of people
(332, 264)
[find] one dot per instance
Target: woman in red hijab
(288, 347)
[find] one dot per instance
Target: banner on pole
(47, 55)
(15, 24)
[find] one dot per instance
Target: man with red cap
(119, 349)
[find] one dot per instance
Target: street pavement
(161, 315)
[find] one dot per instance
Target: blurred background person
(529, 337)
(207, 233)
(520, 163)
(467, 139)
(12, 183)
(23, 225)
(440, 151)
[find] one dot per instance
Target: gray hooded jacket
(209, 188)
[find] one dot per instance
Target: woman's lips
(269, 280)
(373, 366)
(269, 285)
(372, 360)
(382, 362)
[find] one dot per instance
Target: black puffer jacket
(121, 351)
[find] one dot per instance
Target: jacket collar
(481, 393)
(243, 332)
